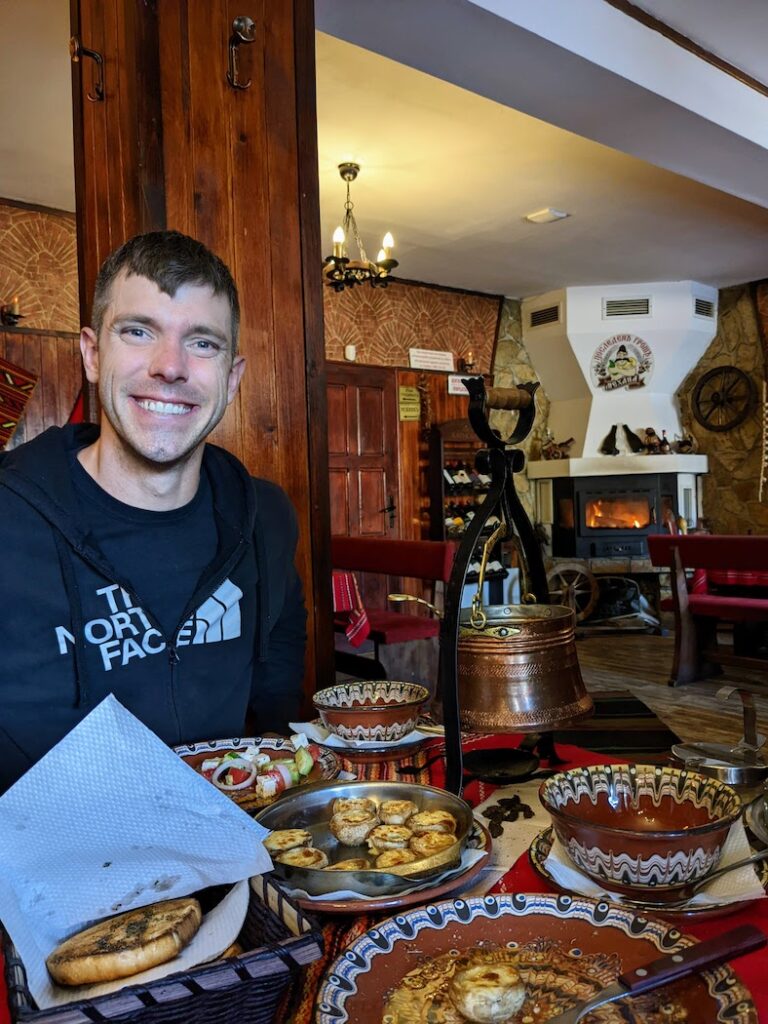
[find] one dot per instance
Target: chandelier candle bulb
(338, 243)
(388, 244)
(15, 306)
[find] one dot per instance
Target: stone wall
(513, 366)
(730, 489)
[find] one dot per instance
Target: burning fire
(618, 514)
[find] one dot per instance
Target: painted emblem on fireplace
(623, 361)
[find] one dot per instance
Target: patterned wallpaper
(383, 323)
(38, 262)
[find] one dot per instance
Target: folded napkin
(317, 732)
(735, 887)
(111, 820)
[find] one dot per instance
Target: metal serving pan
(724, 763)
(310, 808)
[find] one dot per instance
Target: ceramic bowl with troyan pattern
(641, 829)
(367, 712)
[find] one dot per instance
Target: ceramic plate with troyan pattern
(565, 950)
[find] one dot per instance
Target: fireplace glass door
(617, 512)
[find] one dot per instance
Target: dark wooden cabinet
(457, 491)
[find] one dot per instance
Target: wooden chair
(427, 560)
(730, 585)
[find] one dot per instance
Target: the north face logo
(217, 619)
(124, 632)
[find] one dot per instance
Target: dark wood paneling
(337, 420)
(55, 358)
(341, 490)
(119, 186)
(371, 420)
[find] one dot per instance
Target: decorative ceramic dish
(278, 748)
(310, 808)
(370, 712)
(565, 949)
(641, 827)
(479, 839)
(539, 851)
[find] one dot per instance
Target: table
(509, 869)
(347, 602)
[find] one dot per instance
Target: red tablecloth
(340, 931)
(347, 602)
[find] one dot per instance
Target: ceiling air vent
(547, 315)
(626, 307)
(703, 307)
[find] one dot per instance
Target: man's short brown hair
(169, 259)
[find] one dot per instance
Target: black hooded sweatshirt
(72, 630)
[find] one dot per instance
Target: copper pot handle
(477, 617)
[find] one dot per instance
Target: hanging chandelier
(342, 272)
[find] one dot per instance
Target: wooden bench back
(710, 551)
(417, 559)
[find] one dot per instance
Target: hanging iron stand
(501, 461)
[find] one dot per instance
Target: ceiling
(454, 155)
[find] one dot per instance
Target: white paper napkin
(111, 820)
(319, 734)
(735, 887)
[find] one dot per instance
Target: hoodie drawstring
(78, 623)
(263, 590)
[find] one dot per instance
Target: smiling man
(140, 560)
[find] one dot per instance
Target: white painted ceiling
(662, 194)
(737, 32)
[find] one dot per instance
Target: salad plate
(542, 844)
(275, 767)
(563, 948)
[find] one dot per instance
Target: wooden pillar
(175, 145)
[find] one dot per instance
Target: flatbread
(126, 944)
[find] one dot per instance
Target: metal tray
(310, 808)
(756, 818)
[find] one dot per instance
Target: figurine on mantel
(608, 447)
(685, 445)
(652, 441)
(552, 449)
(634, 442)
(664, 445)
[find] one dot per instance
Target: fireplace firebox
(610, 516)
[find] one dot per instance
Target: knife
(736, 942)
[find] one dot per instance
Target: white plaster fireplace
(610, 356)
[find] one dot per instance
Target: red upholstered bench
(729, 584)
(428, 560)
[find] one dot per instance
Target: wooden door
(173, 144)
(363, 451)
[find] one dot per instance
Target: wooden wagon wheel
(572, 584)
(723, 398)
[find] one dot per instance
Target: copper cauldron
(518, 670)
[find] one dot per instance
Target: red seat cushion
(394, 628)
(734, 609)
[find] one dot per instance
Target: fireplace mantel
(615, 465)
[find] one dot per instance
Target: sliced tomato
(237, 775)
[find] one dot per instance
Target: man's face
(164, 367)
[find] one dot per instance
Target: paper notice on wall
(409, 401)
(429, 359)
